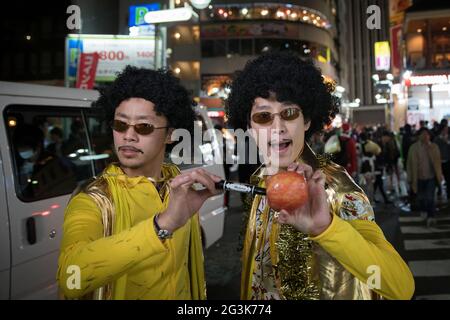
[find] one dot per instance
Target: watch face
(164, 234)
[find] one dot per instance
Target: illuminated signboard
(115, 52)
(171, 15)
(216, 114)
(137, 13)
(428, 80)
(382, 56)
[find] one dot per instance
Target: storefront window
(255, 46)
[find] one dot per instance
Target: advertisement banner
(397, 10)
(396, 49)
(115, 52)
(382, 56)
(86, 70)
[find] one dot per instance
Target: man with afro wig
(330, 247)
(134, 232)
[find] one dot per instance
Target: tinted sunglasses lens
(140, 128)
(119, 126)
(143, 128)
(290, 114)
(262, 117)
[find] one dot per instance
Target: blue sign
(137, 13)
(74, 47)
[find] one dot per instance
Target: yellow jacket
(350, 260)
(132, 261)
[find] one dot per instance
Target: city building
(426, 72)
(206, 52)
(366, 82)
(32, 46)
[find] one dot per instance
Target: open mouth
(280, 147)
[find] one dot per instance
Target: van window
(102, 143)
(48, 149)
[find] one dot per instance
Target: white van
(31, 221)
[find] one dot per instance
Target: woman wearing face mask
(27, 139)
(27, 155)
(37, 167)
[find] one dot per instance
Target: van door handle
(31, 230)
(52, 234)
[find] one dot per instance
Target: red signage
(87, 69)
(396, 42)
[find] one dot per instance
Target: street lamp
(200, 4)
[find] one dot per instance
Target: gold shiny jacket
(313, 268)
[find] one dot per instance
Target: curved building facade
(229, 33)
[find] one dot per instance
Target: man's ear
(307, 125)
(169, 136)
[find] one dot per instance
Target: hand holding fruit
(302, 204)
(287, 190)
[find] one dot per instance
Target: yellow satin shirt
(153, 269)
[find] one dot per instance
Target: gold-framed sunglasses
(266, 118)
(140, 128)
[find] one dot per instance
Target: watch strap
(161, 233)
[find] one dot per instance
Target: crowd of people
(409, 168)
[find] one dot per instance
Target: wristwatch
(161, 233)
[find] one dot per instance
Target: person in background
(443, 142)
(424, 171)
(347, 156)
(391, 155)
(56, 141)
(407, 141)
(40, 172)
(435, 130)
(380, 166)
(317, 144)
(369, 151)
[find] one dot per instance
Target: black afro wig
(160, 87)
(290, 79)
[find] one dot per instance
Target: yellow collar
(114, 170)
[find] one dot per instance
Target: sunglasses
(140, 128)
(267, 117)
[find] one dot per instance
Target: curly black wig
(160, 87)
(292, 80)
